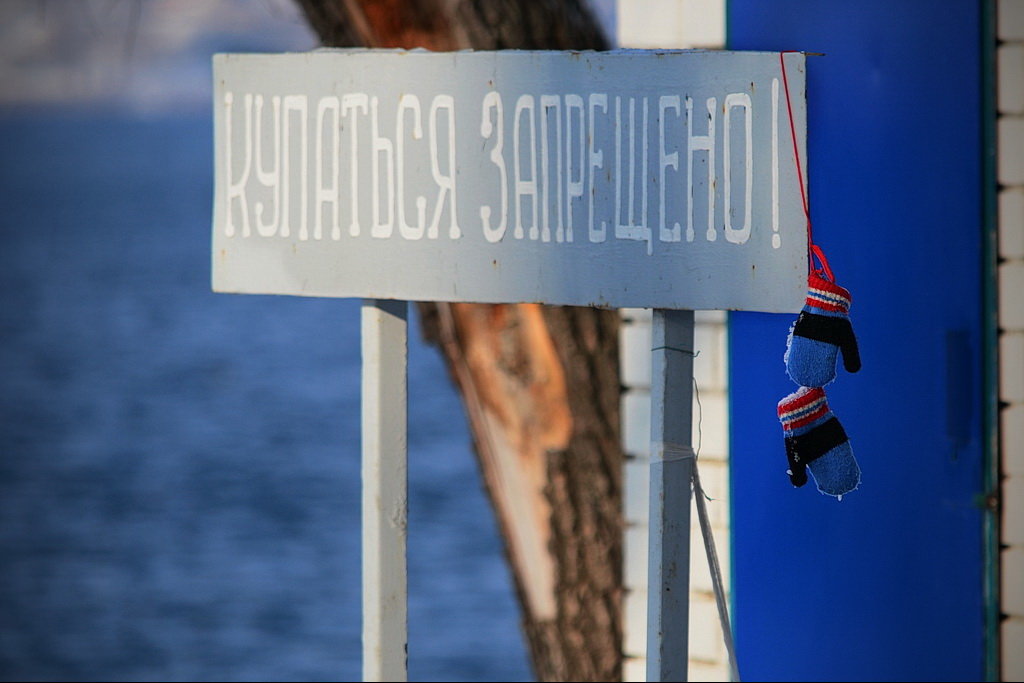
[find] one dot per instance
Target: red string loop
(825, 270)
(813, 250)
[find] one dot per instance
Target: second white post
(672, 463)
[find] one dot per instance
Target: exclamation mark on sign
(776, 237)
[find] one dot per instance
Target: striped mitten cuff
(815, 440)
(822, 329)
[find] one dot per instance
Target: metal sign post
(672, 462)
(614, 179)
(385, 503)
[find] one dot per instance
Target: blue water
(179, 470)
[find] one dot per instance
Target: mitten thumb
(797, 469)
(848, 345)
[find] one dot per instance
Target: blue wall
(887, 584)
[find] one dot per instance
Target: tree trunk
(540, 384)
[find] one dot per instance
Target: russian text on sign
(616, 179)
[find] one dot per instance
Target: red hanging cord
(820, 255)
(813, 250)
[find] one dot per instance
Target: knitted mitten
(816, 440)
(821, 330)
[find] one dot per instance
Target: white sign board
(653, 179)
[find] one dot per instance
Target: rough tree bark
(540, 384)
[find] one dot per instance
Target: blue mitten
(822, 329)
(815, 440)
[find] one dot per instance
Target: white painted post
(385, 503)
(672, 462)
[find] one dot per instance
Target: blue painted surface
(887, 584)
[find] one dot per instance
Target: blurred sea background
(179, 470)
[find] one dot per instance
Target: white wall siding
(1010, 171)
